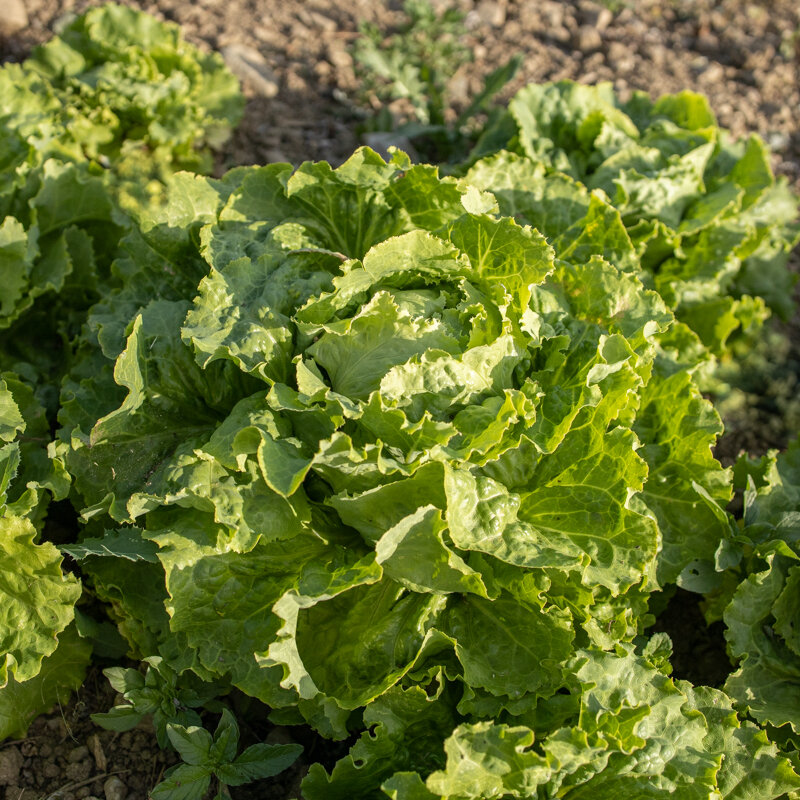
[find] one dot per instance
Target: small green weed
(413, 63)
(210, 757)
(170, 701)
(157, 694)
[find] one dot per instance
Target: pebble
(249, 65)
(559, 34)
(13, 17)
(338, 55)
(78, 770)
(778, 141)
(78, 754)
(96, 749)
(11, 761)
(620, 55)
(459, 89)
(322, 22)
(51, 770)
(587, 39)
(553, 14)
(707, 43)
(658, 54)
(713, 73)
(115, 789)
(491, 13)
(719, 21)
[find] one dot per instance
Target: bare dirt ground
(744, 55)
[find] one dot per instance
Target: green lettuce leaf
(61, 673)
(38, 599)
(696, 215)
(760, 616)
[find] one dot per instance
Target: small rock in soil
(713, 73)
(13, 17)
(778, 141)
(11, 761)
(79, 770)
(97, 752)
(248, 64)
(28, 748)
(322, 22)
(51, 770)
(587, 39)
(707, 43)
(78, 754)
(459, 89)
(338, 55)
(559, 34)
(491, 13)
(115, 789)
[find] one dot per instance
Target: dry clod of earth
(115, 789)
(11, 761)
(78, 754)
(96, 749)
(250, 66)
(587, 39)
(13, 17)
(491, 13)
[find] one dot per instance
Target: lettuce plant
(93, 119)
(118, 95)
(42, 656)
(388, 461)
(412, 63)
(117, 85)
(625, 729)
(758, 601)
(366, 447)
(712, 226)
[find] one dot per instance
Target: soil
(65, 755)
(744, 55)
